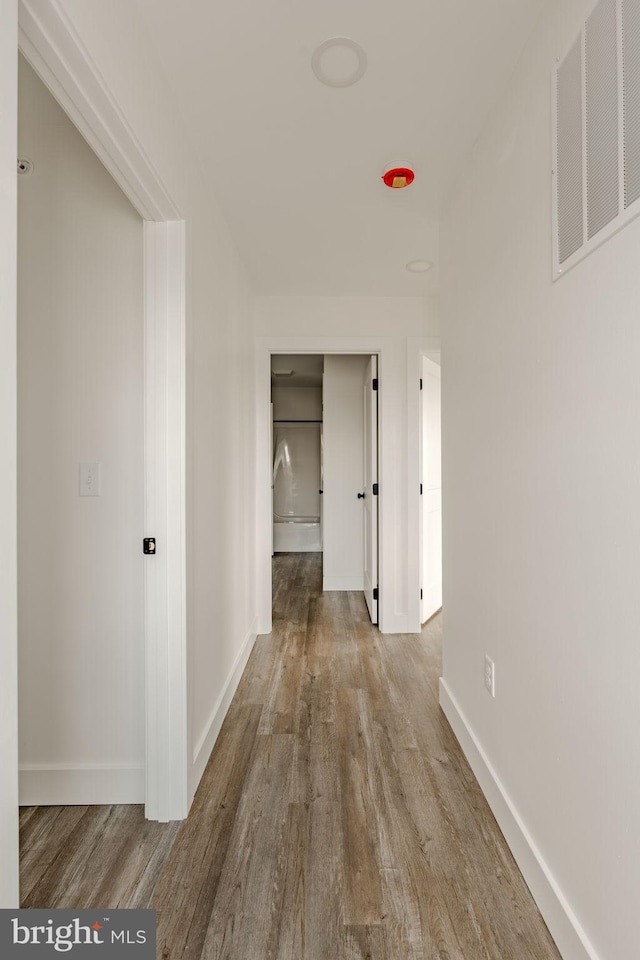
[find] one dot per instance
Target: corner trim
(564, 926)
(207, 739)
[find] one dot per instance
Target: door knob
(361, 496)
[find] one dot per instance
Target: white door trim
(431, 600)
(9, 859)
(370, 479)
(417, 347)
(49, 42)
(165, 576)
(265, 346)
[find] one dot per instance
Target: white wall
(343, 472)
(221, 621)
(398, 317)
(541, 521)
(297, 403)
(80, 398)
(395, 326)
(8, 459)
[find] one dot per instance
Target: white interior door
(271, 448)
(321, 487)
(431, 490)
(371, 488)
(343, 426)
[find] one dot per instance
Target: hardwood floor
(337, 818)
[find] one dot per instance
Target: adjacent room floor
(337, 818)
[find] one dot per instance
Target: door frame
(371, 471)
(9, 833)
(365, 346)
(417, 348)
(48, 41)
(423, 599)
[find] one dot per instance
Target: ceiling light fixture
(419, 266)
(339, 62)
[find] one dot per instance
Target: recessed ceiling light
(419, 266)
(339, 62)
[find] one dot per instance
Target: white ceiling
(297, 165)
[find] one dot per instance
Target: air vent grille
(570, 199)
(569, 140)
(601, 88)
(597, 132)
(631, 99)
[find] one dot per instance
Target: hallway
(337, 818)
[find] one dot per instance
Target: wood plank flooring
(337, 818)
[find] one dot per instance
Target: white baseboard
(343, 583)
(564, 926)
(52, 785)
(206, 740)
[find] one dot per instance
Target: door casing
(265, 347)
(417, 347)
(371, 499)
(431, 592)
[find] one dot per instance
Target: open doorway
(80, 468)
(324, 467)
(49, 44)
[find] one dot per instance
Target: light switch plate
(90, 479)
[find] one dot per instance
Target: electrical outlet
(90, 480)
(490, 675)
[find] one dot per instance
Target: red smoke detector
(398, 177)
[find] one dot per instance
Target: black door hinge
(149, 545)
(374, 383)
(421, 383)
(420, 489)
(421, 593)
(375, 593)
(375, 489)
